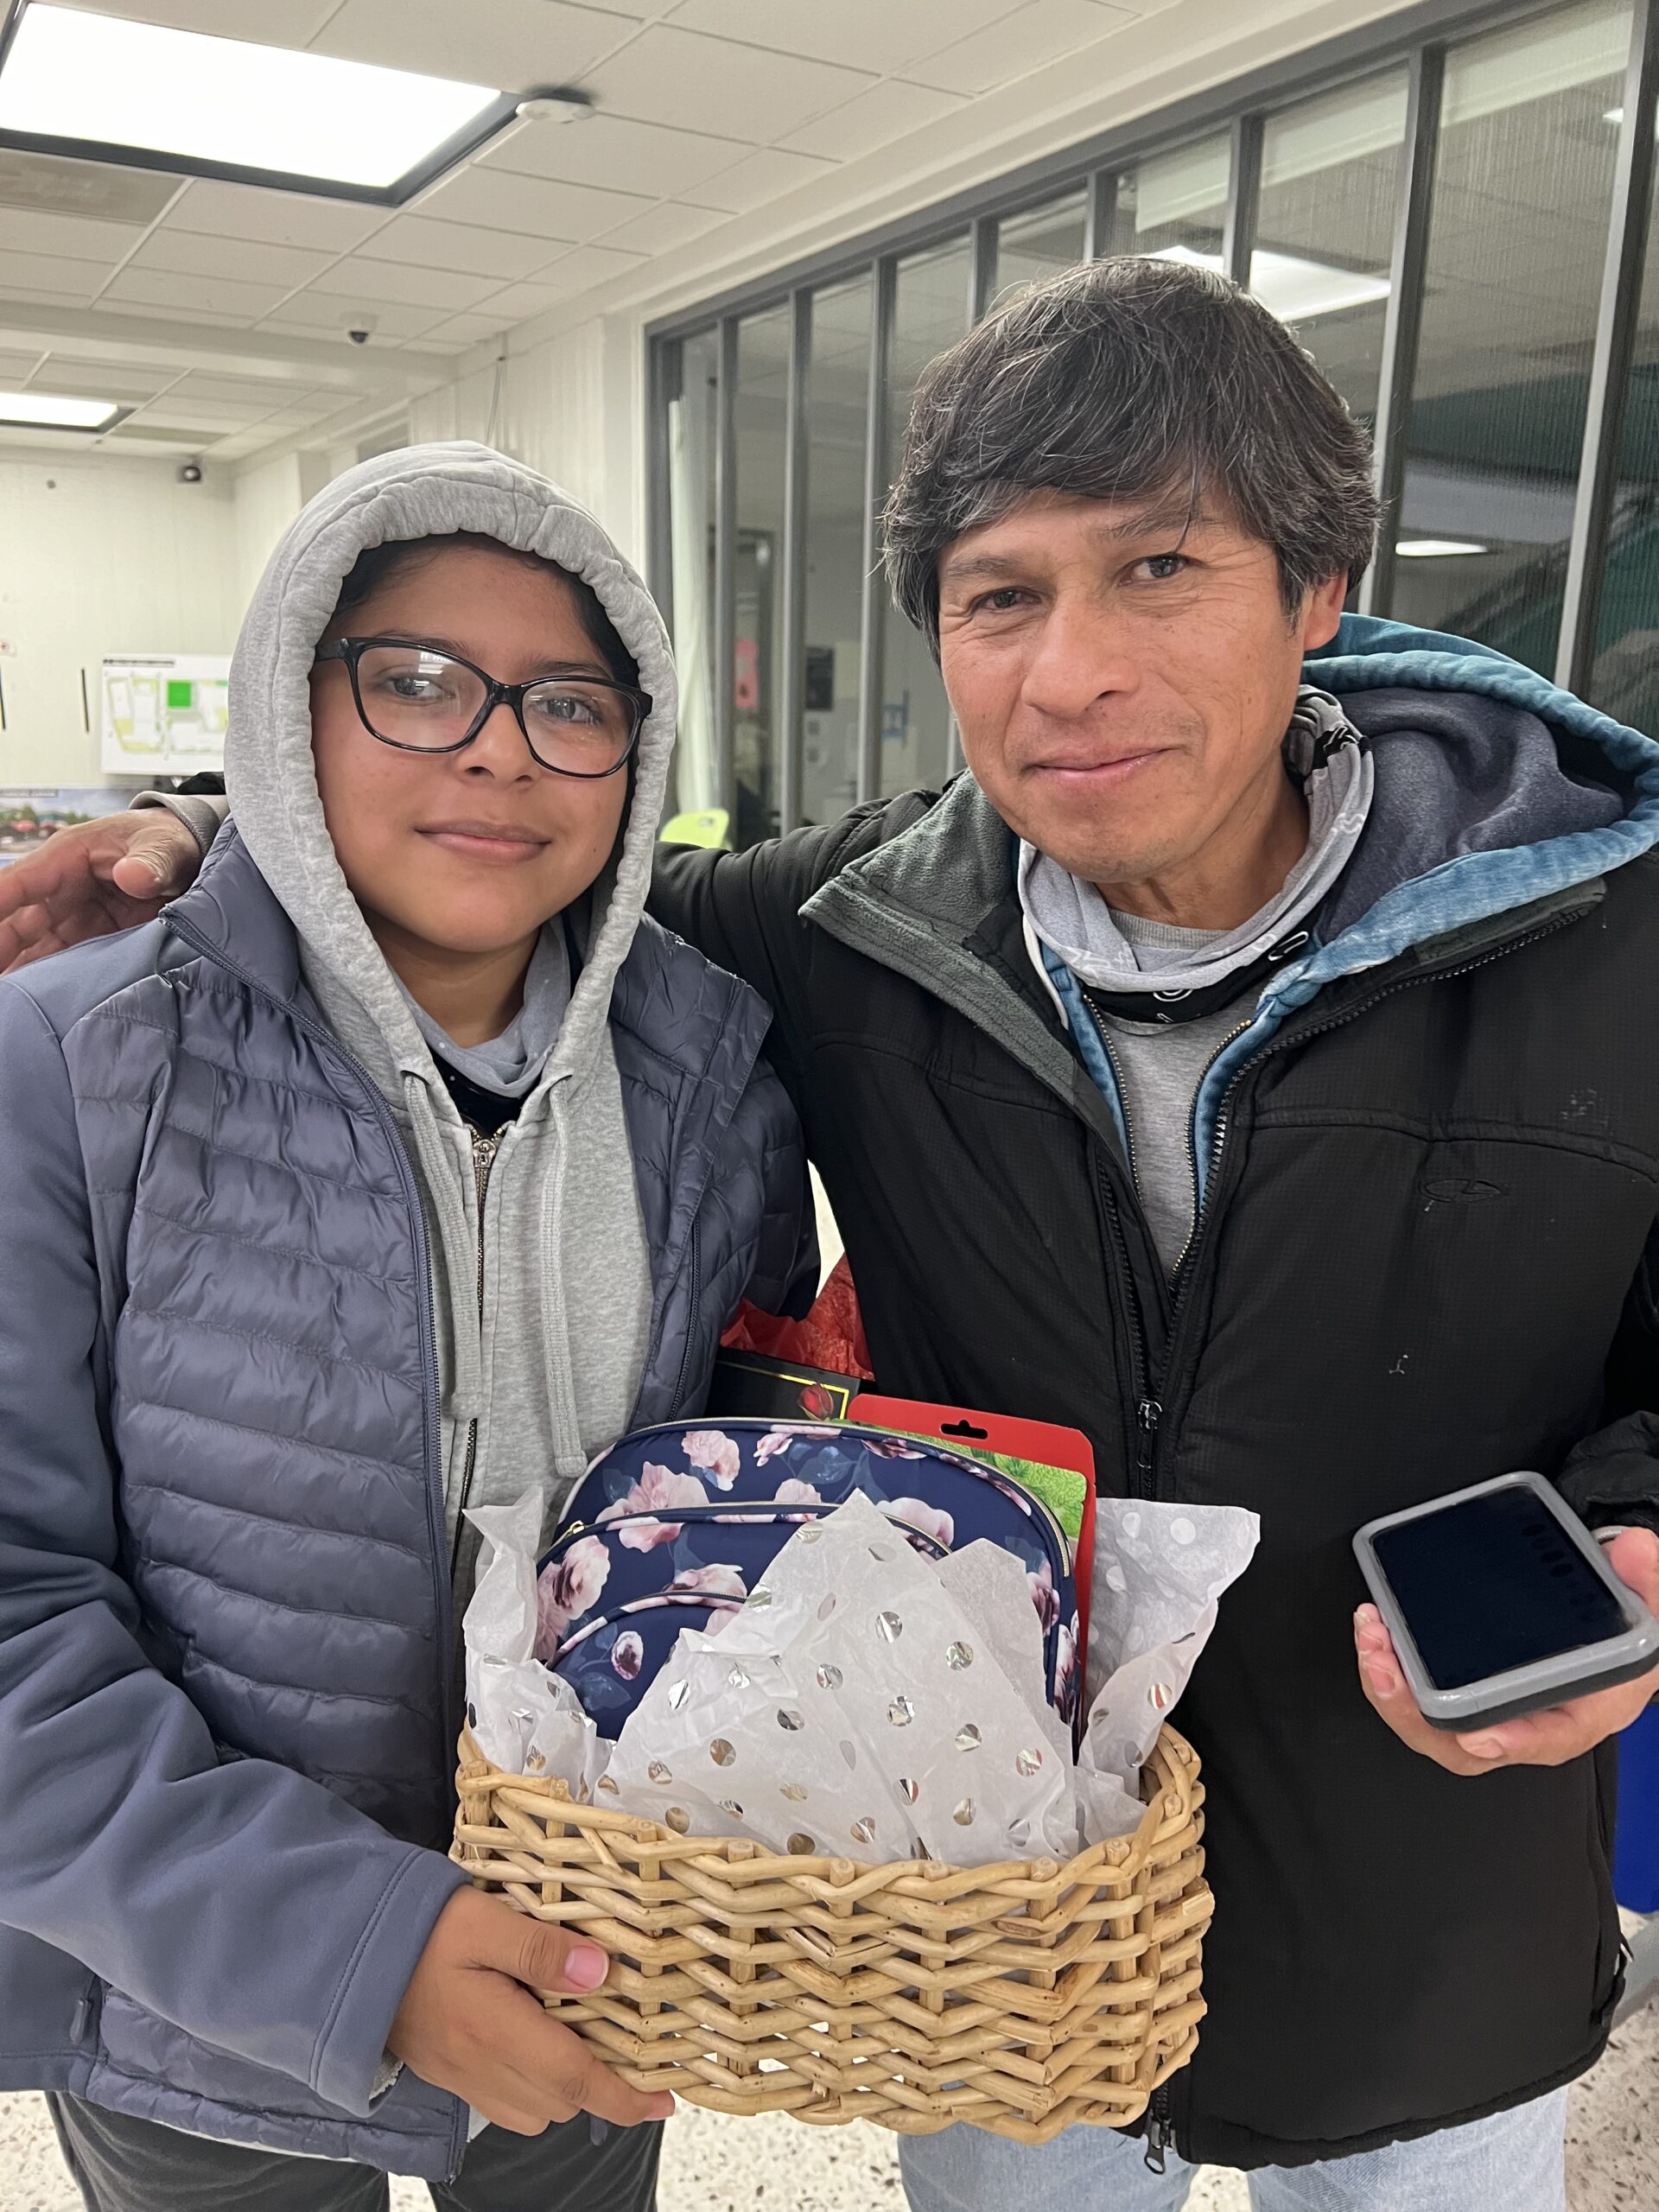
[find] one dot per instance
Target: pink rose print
(716, 1454)
(792, 1491)
(657, 1489)
(1067, 1685)
(628, 1654)
(779, 1438)
(568, 1588)
(889, 1447)
(717, 1580)
(1044, 1595)
(916, 1513)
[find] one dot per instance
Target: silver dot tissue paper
(868, 1702)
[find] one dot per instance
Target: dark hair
(1131, 379)
(378, 564)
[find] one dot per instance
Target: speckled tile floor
(713, 2164)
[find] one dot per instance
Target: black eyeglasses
(421, 699)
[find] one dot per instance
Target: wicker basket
(1022, 1997)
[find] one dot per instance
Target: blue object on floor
(1636, 1845)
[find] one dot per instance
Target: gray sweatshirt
(542, 1289)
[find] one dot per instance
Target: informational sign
(163, 714)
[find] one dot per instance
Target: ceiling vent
(52, 184)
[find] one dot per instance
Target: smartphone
(1501, 1602)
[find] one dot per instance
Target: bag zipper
(484, 1151)
(1159, 2132)
(426, 1320)
(706, 1601)
(741, 1509)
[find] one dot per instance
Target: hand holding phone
(1501, 1632)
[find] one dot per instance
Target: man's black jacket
(1425, 1257)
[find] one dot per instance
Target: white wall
(100, 555)
(573, 407)
(267, 497)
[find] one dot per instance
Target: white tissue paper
(869, 1703)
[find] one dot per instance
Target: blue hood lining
(1368, 654)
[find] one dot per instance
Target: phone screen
(1493, 1583)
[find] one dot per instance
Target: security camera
(360, 328)
(359, 337)
(189, 472)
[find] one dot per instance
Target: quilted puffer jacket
(226, 1715)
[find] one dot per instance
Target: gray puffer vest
(226, 1714)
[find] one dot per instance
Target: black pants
(123, 2164)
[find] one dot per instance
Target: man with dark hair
(1245, 1062)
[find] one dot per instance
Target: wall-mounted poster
(163, 714)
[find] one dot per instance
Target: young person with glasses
(399, 1166)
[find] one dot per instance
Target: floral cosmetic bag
(674, 1525)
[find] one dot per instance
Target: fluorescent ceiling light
(107, 81)
(1294, 289)
(1616, 116)
(46, 410)
(1436, 549)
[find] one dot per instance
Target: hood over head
(418, 492)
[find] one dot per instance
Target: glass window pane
(1175, 204)
(1523, 187)
(930, 313)
(838, 408)
(1624, 679)
(756, 675)
(1040, 243)
(693, 414)
(1324, 231)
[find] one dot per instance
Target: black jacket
(1426, 1255)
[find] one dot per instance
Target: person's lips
(1099, 771)
(507, 843)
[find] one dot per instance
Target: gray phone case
(1520, 1689)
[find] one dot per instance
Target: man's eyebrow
(966, 568)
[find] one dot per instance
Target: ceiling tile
(665, 229)
(765, 175)
(514, 44)
(424, 244)
(371, 282)
(579, 271)
(74, 238)
(462, 330)
(251, 393)
(863, 33)
(535, 206)
(153, 311)
(320, 316)
(219, 295)
(615, 153)
(175, 413)
(101, 380)
(875, 118)
(280, 22)
(666, 74)
(1040, 32)
(13, 368)
(246, 211)
(193, 253)
(42, 272)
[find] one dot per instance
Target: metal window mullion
(1100, 217)
(1616, 320)
(1243, 195)
(792, 688)
(664, 375)
(873, 597)
(726, 566)
(1403, 321)
(982, 265)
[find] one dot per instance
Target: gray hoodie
(544, 1304)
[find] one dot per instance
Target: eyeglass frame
(352, 650)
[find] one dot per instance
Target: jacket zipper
(695, 1262)
(1147, 1410)
(426, 1321)
(484, 1151)
(1284, 1039)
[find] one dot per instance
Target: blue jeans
(1513, 2162)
